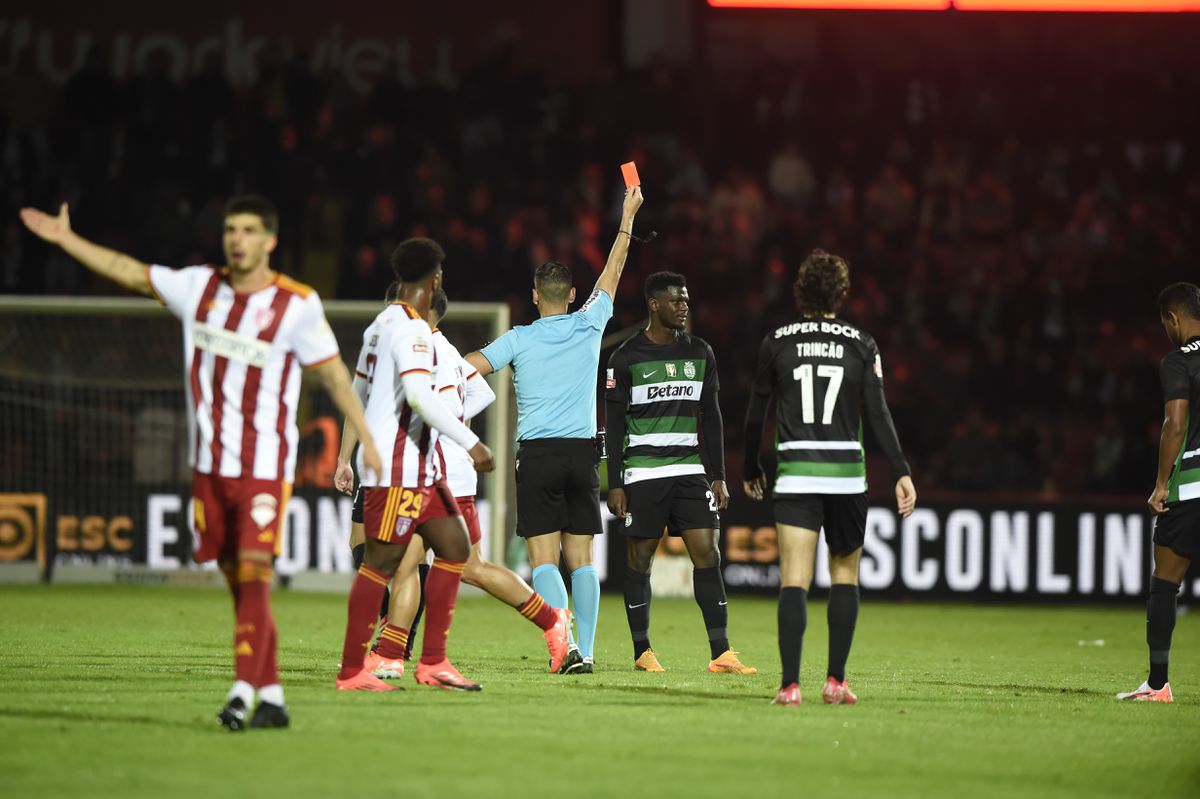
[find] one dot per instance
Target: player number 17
(804, 374)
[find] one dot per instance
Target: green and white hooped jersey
(661, 386)
(1180, 375)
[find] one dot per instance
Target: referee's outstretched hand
(482, 456)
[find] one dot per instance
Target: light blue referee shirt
(555, 362)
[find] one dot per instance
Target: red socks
(441, 593)
(393, 642)
(362, 616)
(537, 611)
(254, 638)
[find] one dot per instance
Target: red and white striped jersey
(399, 342)
(242, 355)
(455, 382)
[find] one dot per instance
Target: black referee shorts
(558, 487)
(842, 516)
(1179, 528)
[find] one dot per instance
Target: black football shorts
(673, 504)
(1179, 528)
(842, 516)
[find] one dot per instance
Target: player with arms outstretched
(661, 393)
(247, 333)
(826, 375)
(1175, 502)
(409, 494)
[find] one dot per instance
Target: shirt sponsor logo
(670, 392)
(229, 344)
(671, 371)
(835, 328)
(1193, 347)
(689, 370)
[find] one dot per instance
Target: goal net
(93, 439)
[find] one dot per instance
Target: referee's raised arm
(554, 363)
(611, 275)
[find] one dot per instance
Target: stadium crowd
(1007, 234)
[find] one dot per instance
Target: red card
(629, 170)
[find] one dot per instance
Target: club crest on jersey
(263, 509)
(611, 380)
(689, 370)
(264, 317)
(671, 371)
(629, 520)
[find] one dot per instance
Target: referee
(554, 363)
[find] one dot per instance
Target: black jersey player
(1175, 502)
(661, 406)
(827, 376)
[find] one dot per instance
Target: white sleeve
(313, 340)
(362, 368)
(412, 351)
(418, 390)
(477, 393)
(178, 289)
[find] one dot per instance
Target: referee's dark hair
(553, 282)
(822, 284)
(417, 259)
(439, 303)
(659, 282)
(261, 207)
(1182, 298)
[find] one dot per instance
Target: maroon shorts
(392, 514)
(235, 514)
(470, 515)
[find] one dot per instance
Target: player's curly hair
(416, 259)
(439, 303)
(822, 283)
(661, 281)
(1181, 298)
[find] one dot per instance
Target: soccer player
(247, 332)
(1175, 502)
(409, 494)
(826, 375)
(554, 364)
(465, 393)
(661, 391)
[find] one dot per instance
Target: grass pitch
(112, 691)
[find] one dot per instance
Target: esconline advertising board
(1063, 551)
(1071, 551)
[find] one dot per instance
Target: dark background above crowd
(1011, 196)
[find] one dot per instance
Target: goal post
(93, 438)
